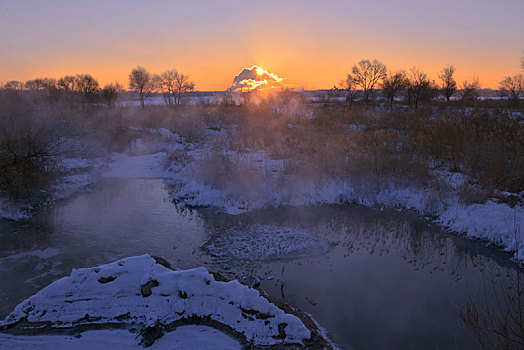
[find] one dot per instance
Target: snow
(268, 187)
(491, 221)
(14, 211)
(80, 174)
(196, 337)
(140, 291)
(182, 338)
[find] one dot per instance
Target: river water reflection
(386, 280)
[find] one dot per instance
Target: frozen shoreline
(491, 221)
(79, 174)
(497, 223)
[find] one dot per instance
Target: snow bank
(491, 221)
(140, 291)
(497, 223)
(79, 176)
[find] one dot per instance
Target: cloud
(256, 78)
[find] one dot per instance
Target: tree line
(415, 86)
(171, 84)
(365, 78)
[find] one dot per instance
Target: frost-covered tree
(169, 81)
(140, 80)
(367, 74)
(448, 85)
(182, 85)
(158, 85)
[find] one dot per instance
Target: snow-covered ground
(141, 160)
(80, 173)
(138, 300)
(268, 186)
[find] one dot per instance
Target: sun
(260, 71)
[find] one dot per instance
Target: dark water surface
(388, 280)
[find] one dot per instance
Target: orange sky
(309, 43)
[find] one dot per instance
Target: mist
(290, 192)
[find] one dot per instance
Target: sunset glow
(256, 78)
(334, 174)
(313, 45)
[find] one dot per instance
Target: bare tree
(367, 74)
(68, 85)
(182, 85)
(43, 84)
(35, 84)
(30, 139)
(512, 86)
(169, 80)
(51, 87)
(85, 86)
(469, 90)
(110, 93)
(140, 80)
(349, 84)
(393, 84)
(14, 85)
(158, 85)
(448, 85)
(420, 87)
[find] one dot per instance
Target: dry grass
(314, 140)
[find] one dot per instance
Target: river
(374, 279)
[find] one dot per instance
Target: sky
(311, 44)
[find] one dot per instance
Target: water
(119, 218)
(385, 280)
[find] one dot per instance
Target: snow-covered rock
(145, 294)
